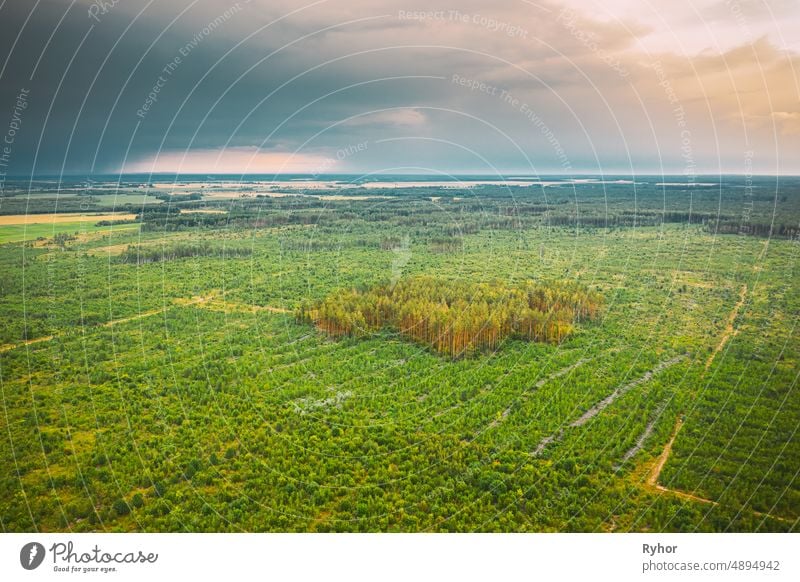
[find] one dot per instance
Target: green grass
(31, 232)
(119, 201)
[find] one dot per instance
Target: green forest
(596, 357)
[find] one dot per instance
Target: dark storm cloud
(108, 77)
(141, 84)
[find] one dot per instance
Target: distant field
(71, 217)
(70, 202)
(26, 232)
(119, 200)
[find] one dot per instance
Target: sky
(505, 87)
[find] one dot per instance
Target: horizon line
(442, 176)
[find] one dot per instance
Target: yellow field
(15, 219)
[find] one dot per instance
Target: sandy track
(655, 472)
(198, 301)
(7, 347)
(19, 219)
(729, 331)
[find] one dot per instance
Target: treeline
(142, 256)
(755, 229)
(174, 221)
(456, 318)
(629, 218)
(317, 245)
(113, 222)
(59, 204)
(446, 245)
(389, 243)
(177, 198)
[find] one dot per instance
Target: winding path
(729, 331)
(655, 471)
(207, 301)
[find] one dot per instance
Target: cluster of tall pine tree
(456, 318)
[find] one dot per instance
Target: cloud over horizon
(573, 86)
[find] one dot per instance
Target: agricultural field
(608, 355)
(39, 227)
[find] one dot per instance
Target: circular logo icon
(31, 555)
